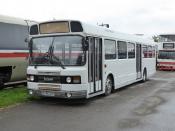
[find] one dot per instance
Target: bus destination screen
(168, 45)
(54, 27)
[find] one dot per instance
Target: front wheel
(1, 84)
(108, 86)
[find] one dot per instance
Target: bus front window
(58, 51)
(166, 55)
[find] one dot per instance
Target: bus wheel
(1, 84)
(144, 76)
(108, 86)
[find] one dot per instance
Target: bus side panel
(13, 49)
(150, 65)
(126, 72)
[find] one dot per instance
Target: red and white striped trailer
(13, 50)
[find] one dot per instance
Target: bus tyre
(144, 76)
(108, 86)
(1, 84)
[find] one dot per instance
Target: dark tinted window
(131, 50)
(34, 30)
(166, 38)
(168, 45)
(12, 36)
(122, 50)
(153, 51)
(145, 51)
(166, 54)
(110, 49)
(150, 52)
(76, 26)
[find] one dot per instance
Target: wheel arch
(113, 81)
(5, 73)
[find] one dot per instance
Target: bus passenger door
(138, 61)
(95, 65)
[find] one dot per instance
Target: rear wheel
(108, 86)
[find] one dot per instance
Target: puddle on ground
(149, 105)
(128, 123)
(167, 90)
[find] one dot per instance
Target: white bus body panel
(150, 65)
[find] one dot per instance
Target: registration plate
(46, 93)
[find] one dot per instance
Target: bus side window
(145, 51)
(110, 49)
(90, 59)
(153, 51)
(122, 50)
(131, 50)
(150, 53)
(12, 36)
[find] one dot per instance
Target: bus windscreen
(163, 54)
(54, 27)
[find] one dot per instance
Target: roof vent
(104, 25)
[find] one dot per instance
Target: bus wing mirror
(27, 41)
(85, 44)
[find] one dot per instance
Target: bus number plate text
(46, 93)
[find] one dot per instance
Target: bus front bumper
(58, 90)
(59, 94)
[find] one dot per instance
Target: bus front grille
(49, 87)
(48, 79)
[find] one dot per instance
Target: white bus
(71, 59)
(166, 52)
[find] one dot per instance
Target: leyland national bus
(71, 59)
(166, 52)
(13, 50)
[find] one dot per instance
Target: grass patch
(12, 96)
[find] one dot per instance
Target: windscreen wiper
(58, 60)
(51, 54)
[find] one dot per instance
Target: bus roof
(12, 20)
(106, 32)
(102, 31)
(164, 34)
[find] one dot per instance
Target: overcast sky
(130, 16)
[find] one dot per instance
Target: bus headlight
(30, 78)
(77, 79)
(30, 92)
(68, 79)
(73, 79)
